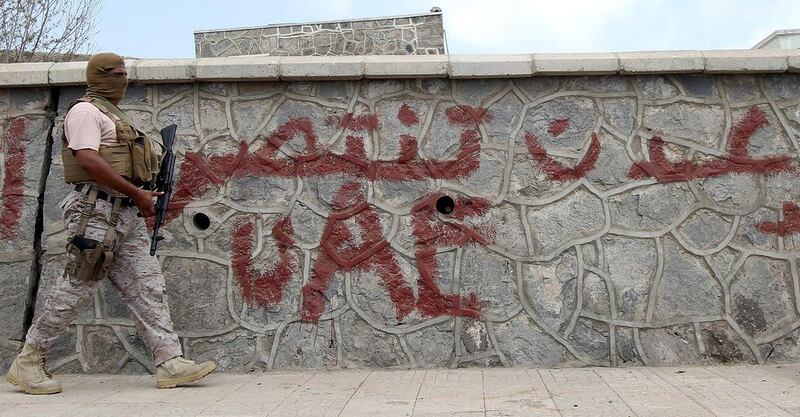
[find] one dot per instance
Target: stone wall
(615, 220)
(419, 34)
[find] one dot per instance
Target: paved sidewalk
(692, 391)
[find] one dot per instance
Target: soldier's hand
(144, 200)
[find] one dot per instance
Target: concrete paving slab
(581, 392)
(38, 410)
(779, 386)
(259, 396)
(325, 394)
(386, 393)
(517, 392)
(104, 410)
(719, 395)
(456, 391)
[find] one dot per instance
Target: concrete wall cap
(74, 73)
(257, 68)
(166, 70)
(571, 64)
(490, 66)
(68, 73)
(794, 60)
(402, 66)
(272, 68)
(293, 68)
(656, 62)
(746, 61)
(19, 75)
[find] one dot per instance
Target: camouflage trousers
(134, 273)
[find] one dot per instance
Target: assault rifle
(164, 183)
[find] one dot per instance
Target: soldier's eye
(445, 204)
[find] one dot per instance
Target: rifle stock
(164, 183)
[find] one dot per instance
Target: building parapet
(273, 68)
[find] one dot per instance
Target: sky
(165, 28)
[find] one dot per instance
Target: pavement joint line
(594, 371)
(353, 394)
(287, 396)
(227, 395)
(419, 390)
(683, 392)
(546, 388)
(483, 393)
(736, 383)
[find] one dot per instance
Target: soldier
(112, 165)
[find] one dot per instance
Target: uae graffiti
(13, 150)
(340, 249)
(555, 170)
(199, 174)
(363, 247)
(788, 226)
(737, 160)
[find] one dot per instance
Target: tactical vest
(136, 156)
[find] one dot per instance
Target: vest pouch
(156, 155)
(141, 161)
(117, 155)
(72, 169)
(89, 260)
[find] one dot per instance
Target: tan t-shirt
(86, 127)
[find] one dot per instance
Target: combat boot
(29, 372)
(179, 371)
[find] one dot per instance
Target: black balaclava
(103, 84)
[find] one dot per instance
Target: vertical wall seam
(38, 251)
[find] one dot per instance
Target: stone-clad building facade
(417, 34)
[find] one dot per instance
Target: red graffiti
(340, 249)
(736, 161)
(468, 116)
(357, 123)
(198, 174)
(262, 287)
(789, 225)
(340, 252)
(13, 176)
(406, 116)
(555, 170)
(557, 127)
(430, 234)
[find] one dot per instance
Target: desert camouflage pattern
(134, 273)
